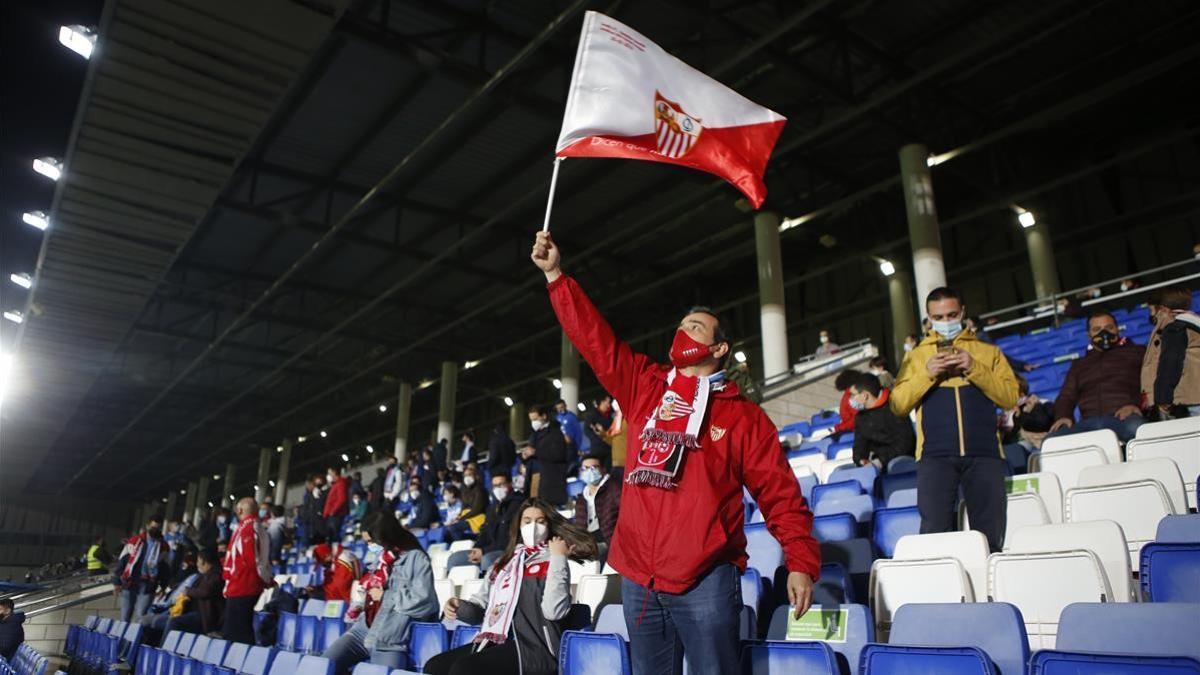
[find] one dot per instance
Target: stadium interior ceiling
(331, 197)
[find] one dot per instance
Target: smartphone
(945, 347)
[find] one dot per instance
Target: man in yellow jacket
(956, 383)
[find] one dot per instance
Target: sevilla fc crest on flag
(673, 407)
(675, 130)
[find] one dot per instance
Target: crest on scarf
(676, 132)
(716, 433)
(673, 407)
(498, 611)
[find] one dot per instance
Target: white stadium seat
(579, 570)
(1046, 485)
(462, 545)
(969, 548)
(1023, 509)
(470, 588)
(898, 582)
(1102, 537)
(845, 453)
(438, 546)
(463, 573)
(598, 590)
(1066, 464)
(444, 589)
(1161, 469)
(1042, 584)
(1178, 440)
(812, 462)
(1103, 439)
(438, 560)
(1136, 507)
(828, 466)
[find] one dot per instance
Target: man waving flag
(630, 98)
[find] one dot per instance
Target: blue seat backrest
(752, 587)
(583, 653)
(890, 659)
(1056, 662)
(314, 665)
(427, 640)
(835, 527)
(891, 524)
(199, 647)
(762, 548)
(313, 608)
(306, 633)
(285, 635)
(862, 507)
(902, 465)
(215, 653)
(334, 609)
(834, 448)
(856, 555)
(900, 498)
(258, 661)
(285, 663)
(1170, 572)
(892, 481)
(331, 629)
(365, 668)
(612, 620)
(847, 643)
(235, 656)
(834, 587)
(835, 490)
(769, 658)
(807, 483)
(465, 634)
(1150, 629)
(92, 621)
(995, 627)
(865, 475)
(184, 646)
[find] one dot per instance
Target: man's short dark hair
(879, 362)
(209, 555)
(542, 410)
(590, 456)
(451, 490)
(469, 435)
(845, 378)
(942, 293)
(1177, 298)
(719, 333)
(277, 510)
(1099, 314)
(6, 602)
(560, 401)
(868, 383)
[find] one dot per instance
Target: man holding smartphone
(955, 382)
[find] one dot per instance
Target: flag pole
(550, 199)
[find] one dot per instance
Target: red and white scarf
(376, 578)
(152, 547)
(527, 561)
(673, 428)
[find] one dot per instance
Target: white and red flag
(630, 98)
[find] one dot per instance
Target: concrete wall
(48, 632)
(801, 404)
(38, 530)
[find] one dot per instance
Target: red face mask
(686, 352)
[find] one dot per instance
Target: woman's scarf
(527, 561)
(376, 578)
(674, 427)
(152, 547)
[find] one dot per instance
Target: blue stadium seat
(465, 634)
(1179, 529)
(890, 659)
(147, 661)
(612, 620)
(583, 653)
(427, 640)
(803, 428)
(834, 586)
(892, 481)
(862, 507)
(774, 658)
(764, 552)
(807, 483)
(891, 524)
(1148, 629)
(334, 609)
(1170, 572)
(859, 629)
(171, 641)
(306, 633)
(285, 634)
(902, 465)
(258, 661)
(215, 653)
(330, 630)
(314, 665)
(313, 608)
(842, 489)
(752, 588)
(834, 448)
(1055, 662)
(901, 498)
(865, 475)
(835, 527)
(997, 628)
(285, 663)
(856, 555)
(236, 656)
(365, 668)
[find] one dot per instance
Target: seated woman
(399, 591)
(524, 602)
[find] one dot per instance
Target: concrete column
(928, 267)
(1041, 260)
(172, 505)
(227, 490)
(201, 508)
(285, 463)
(570, 374)
(904, 319)
(189, 502)
(264, 473)
(449, 397)
(770, 294)
(518, 422)
(403, 419)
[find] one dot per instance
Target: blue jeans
(134, 604)
(349, 650)
(701, 623)
(1124, 429)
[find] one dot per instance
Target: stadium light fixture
(382, 407)
(210, 505)
(887, 268)
(49, 167)
(323, 434)
(14, 316)
(79, 39)
(37, 219)
(256, 488)
(425, 384)
(232, 498)
(370, 450)
(1026, 219)
(301, 439)
(739, 356)
(508, 401)
(345, 458)
(271, 483)
(183, 492)
(557, 383)
(582, 407)
(279, 448)
(21, 279)
(164, 500)
(470, 364)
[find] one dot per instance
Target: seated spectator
(494, 534)
(1171, 369)
(879, 435)
(452, 495)
(1023, 428)
(173, 602)
(597, 506)
(424, 511)
(879, 368)
(12, 634)
(845, 410)
(341, 569)
(1105, 384)
(398, 591)
(537, 582)
(207, 595)
(827, 346)
(358, 508)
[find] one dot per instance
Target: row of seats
(100, 644)
(26, 661)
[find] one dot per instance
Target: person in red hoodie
(341, 570)
(846, 411)
(694, 442)
(337, 503)
(247, 571)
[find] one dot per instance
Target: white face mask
(468, 480)
(824, 339)
(538, 425)
(500, 493)
(533, 534)
(331, 479)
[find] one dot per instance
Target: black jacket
(493, 536)
(880, 432)
(424, 511)
(551, 452)
(502, 454)
(439, 456)
(12, 634)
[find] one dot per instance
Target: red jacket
(337, 502)
(247, 566)
(846, 412)
(668, 539)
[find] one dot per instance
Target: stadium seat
(994, 627)
(889, 659)
(1046, 485)
(770, 658)
(462, 545)
(612, 620)
(1054, 662)
(857, 556)
(1137, 507)
(258, 661)
(235, 656)
(328, 632)
(1181, 529)
(891, 482)
(895, 583)
(969, 548)
(444, 589)
(862, 507)
(314, 665)
(833, 588)
(312, 608)
(829, 467)
(306, 634)
(835, 527)
(1103, 440)
(285, 663)
(584, 653)
(846, 628)
(1171, 572)
(465, 634)
(1160, 469)
(597, 590)
(1102, 537)
(462, 573)
(807, 483)
(902, 465)
(1146, 629)
(865, 475)
(1042, 584)
(763, 550)
(901, 498)
(1176, 440)
(891, 524)
(366, 668)
(285, 634)
(471, 587)
(426, 640)
(1023, 509)
(752, 589)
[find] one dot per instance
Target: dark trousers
(981, 480)
(494, 660)
(239, 619)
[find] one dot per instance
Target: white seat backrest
(1161, 469)
(802, 470)
(439, 546)
(608, 569)
(439, 561)
(898, 582)
(444, 589)
(1046, 485)
(827, 467)
(470, 587)
(1067, 464)
(1104, 439)
(263, 599)
(1183, 426)
(1023, 509)
(812, 461)
(582, 569)
(596, 590)
(1042, 584)
(1102, 537)
(1136, 507)
(1182, 448)
(845, 453)
(462, 545)
(969, 548)
(463, 573)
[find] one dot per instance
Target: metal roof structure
(273, 212)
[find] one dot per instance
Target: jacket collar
(729, 388)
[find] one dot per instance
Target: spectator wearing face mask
(473, 501)
(910, 342)
(879, 435)
(1024, 427)
(424, 511)
(549, 447)
(1171, 368)
(493, 535)
(358, 508)
(596, 508)
(827, 346)
(1105, 384)
(337, 502)
(879, 368)
(845, 411)
(142, 571)
(342, 568)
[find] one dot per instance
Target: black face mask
(1104, 340)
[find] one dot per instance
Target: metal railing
(818, 367)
